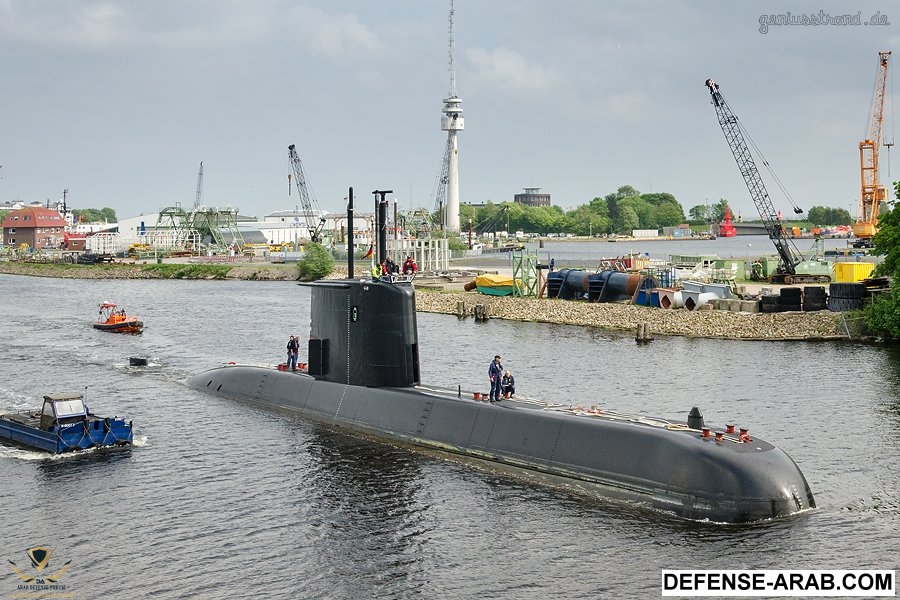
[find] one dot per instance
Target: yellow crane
(873, 193)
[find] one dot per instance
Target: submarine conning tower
(364, 332)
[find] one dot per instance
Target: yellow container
(848, 272)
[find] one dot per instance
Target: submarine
(362, 378)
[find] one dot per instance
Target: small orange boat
(112, 318)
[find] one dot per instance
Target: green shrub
(316, 263)
(882, 315)
(456, 245)
(182, 271)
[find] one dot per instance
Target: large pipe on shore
(605, 286)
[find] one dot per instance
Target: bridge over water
(749, 228)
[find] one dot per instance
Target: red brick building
(37, 227)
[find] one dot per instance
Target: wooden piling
(481, 312)
(643, 335)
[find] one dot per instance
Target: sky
(120, 101)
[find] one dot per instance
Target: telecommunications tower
(447, 197)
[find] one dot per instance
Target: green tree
(628, 220)
(584, 221)
(316, 263)
(641, 208)
(717, 211)
(456, 245)
(698, 213)
(882, 316)
(466, 212)
(516, 212)
(668, 214)
(625, 191)
(95, 215)
(828, 216)
(659, 198)
(612, 201)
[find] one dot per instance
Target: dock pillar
(643, 335)
(481, 312)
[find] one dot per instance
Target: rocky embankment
(702, 323)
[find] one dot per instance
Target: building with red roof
(36, 226)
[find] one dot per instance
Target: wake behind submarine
(363, 378)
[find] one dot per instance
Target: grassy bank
(262, 271)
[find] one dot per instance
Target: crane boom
(788, 255)
(872, 193)
(313, 225)
(199, 195)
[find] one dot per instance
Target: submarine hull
(663, 465)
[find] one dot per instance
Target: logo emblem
(40, 558)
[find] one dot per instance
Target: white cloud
(505, 69)
(104, 25)
(631, 105)
(339, 37)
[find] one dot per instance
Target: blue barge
(64, 424)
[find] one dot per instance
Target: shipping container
(847, 272)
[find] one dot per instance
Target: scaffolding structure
(430, 255)
(525, 273)
(214, 230)
(156, 242)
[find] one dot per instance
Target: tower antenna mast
(447, 195)
(452, 51)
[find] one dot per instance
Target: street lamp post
(747, 263)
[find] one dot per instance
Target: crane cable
(888, 146)
(765, 162)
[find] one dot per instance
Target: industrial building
(532, 197)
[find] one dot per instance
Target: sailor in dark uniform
(293, 350)
(509, 385)
(495, 373)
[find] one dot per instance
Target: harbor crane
(873, 193)
(792, 267)
(314, 221)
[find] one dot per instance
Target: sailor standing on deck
(293, 350)
(495, 373)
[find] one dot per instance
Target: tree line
(621, 211)
(94, 215)
(84, 215)
(618, 212)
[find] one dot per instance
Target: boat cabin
(62, 410)
(110, 313)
